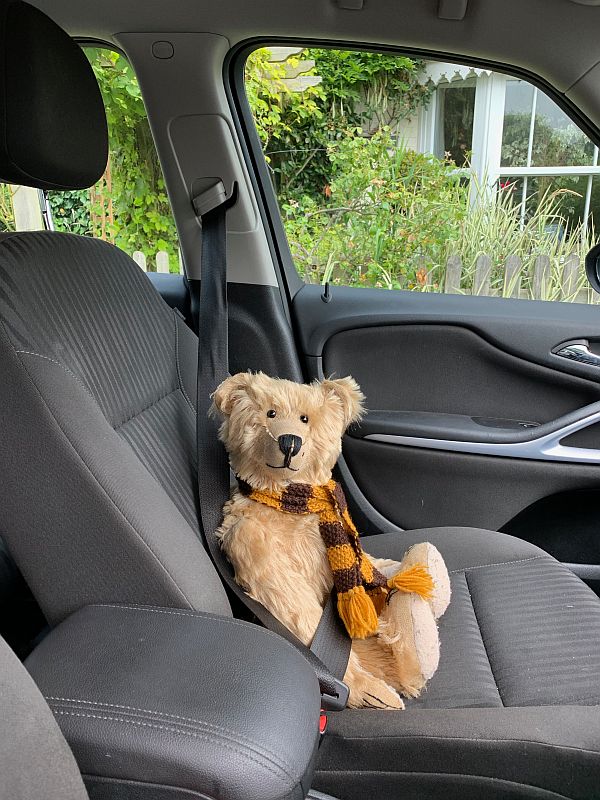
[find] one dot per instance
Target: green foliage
(7, 216)
(141, 215)
(297, 128)
(129, 205)
(71, 211)
(391, 218)
(362, 87)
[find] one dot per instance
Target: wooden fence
(537, 282)
(162, 260)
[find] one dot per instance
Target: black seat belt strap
(331, 646)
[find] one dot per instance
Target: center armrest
(166, 704)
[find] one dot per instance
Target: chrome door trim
(544, 448)
(580, 352)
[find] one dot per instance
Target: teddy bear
(289, 536)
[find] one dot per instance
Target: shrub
(388, 219)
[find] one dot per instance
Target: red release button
(322, 723)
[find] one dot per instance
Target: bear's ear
(349, 394)
(230, 391)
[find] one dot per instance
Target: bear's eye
(271, 413)
(303, 418)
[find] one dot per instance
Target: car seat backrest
(97, 398)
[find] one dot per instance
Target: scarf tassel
(415, 579)
(357, 612)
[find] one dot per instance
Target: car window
(403, 173)
(129, 205)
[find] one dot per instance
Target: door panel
(418, 488)
(462, 369)
(451, 369)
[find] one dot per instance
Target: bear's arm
(270, 578)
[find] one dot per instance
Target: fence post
(453, 270)
(27, 208)
(162, 261)
(483, 273)
(541, 274)
(512, 277)
(569, 277)
(140, 259)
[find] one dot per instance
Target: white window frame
(488, 123)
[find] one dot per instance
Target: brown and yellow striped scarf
(361, 589)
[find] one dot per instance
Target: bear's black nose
(289, 445)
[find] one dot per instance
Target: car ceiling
(554, 39)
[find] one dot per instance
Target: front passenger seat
(99, 500)
(35, 761)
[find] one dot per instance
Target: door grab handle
(579, 351)
(543, 443)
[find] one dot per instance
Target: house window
(553, 156)
(456, 106)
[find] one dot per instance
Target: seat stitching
(146, 408)
(153, 712)
(498, 564)
(200, 615)
(60, 364)
(89, 392)
(95, 478)
(466, 739)
(179, 378)
(483, 640)
(228, 743)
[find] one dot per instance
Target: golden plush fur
(280, 558)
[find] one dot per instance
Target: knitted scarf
(362, 590)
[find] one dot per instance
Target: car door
(482, 378)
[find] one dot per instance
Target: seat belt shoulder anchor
(210, 193)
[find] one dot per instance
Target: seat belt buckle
(337, 700)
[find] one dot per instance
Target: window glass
(129, 205)
(457, 108)
(400, 173)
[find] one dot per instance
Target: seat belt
(330, 649)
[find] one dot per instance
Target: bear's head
(279, 432)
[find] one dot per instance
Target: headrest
(53, 131)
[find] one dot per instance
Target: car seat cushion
(517, 687)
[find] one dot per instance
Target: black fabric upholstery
(182, 699)
(97, 463)
(52, 119)
(513, 708)
(35, 761)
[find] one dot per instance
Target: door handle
(578, 351)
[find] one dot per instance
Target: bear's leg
(366, 689)
(428, 555)
(408, 628)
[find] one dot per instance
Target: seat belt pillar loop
(210, 194)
